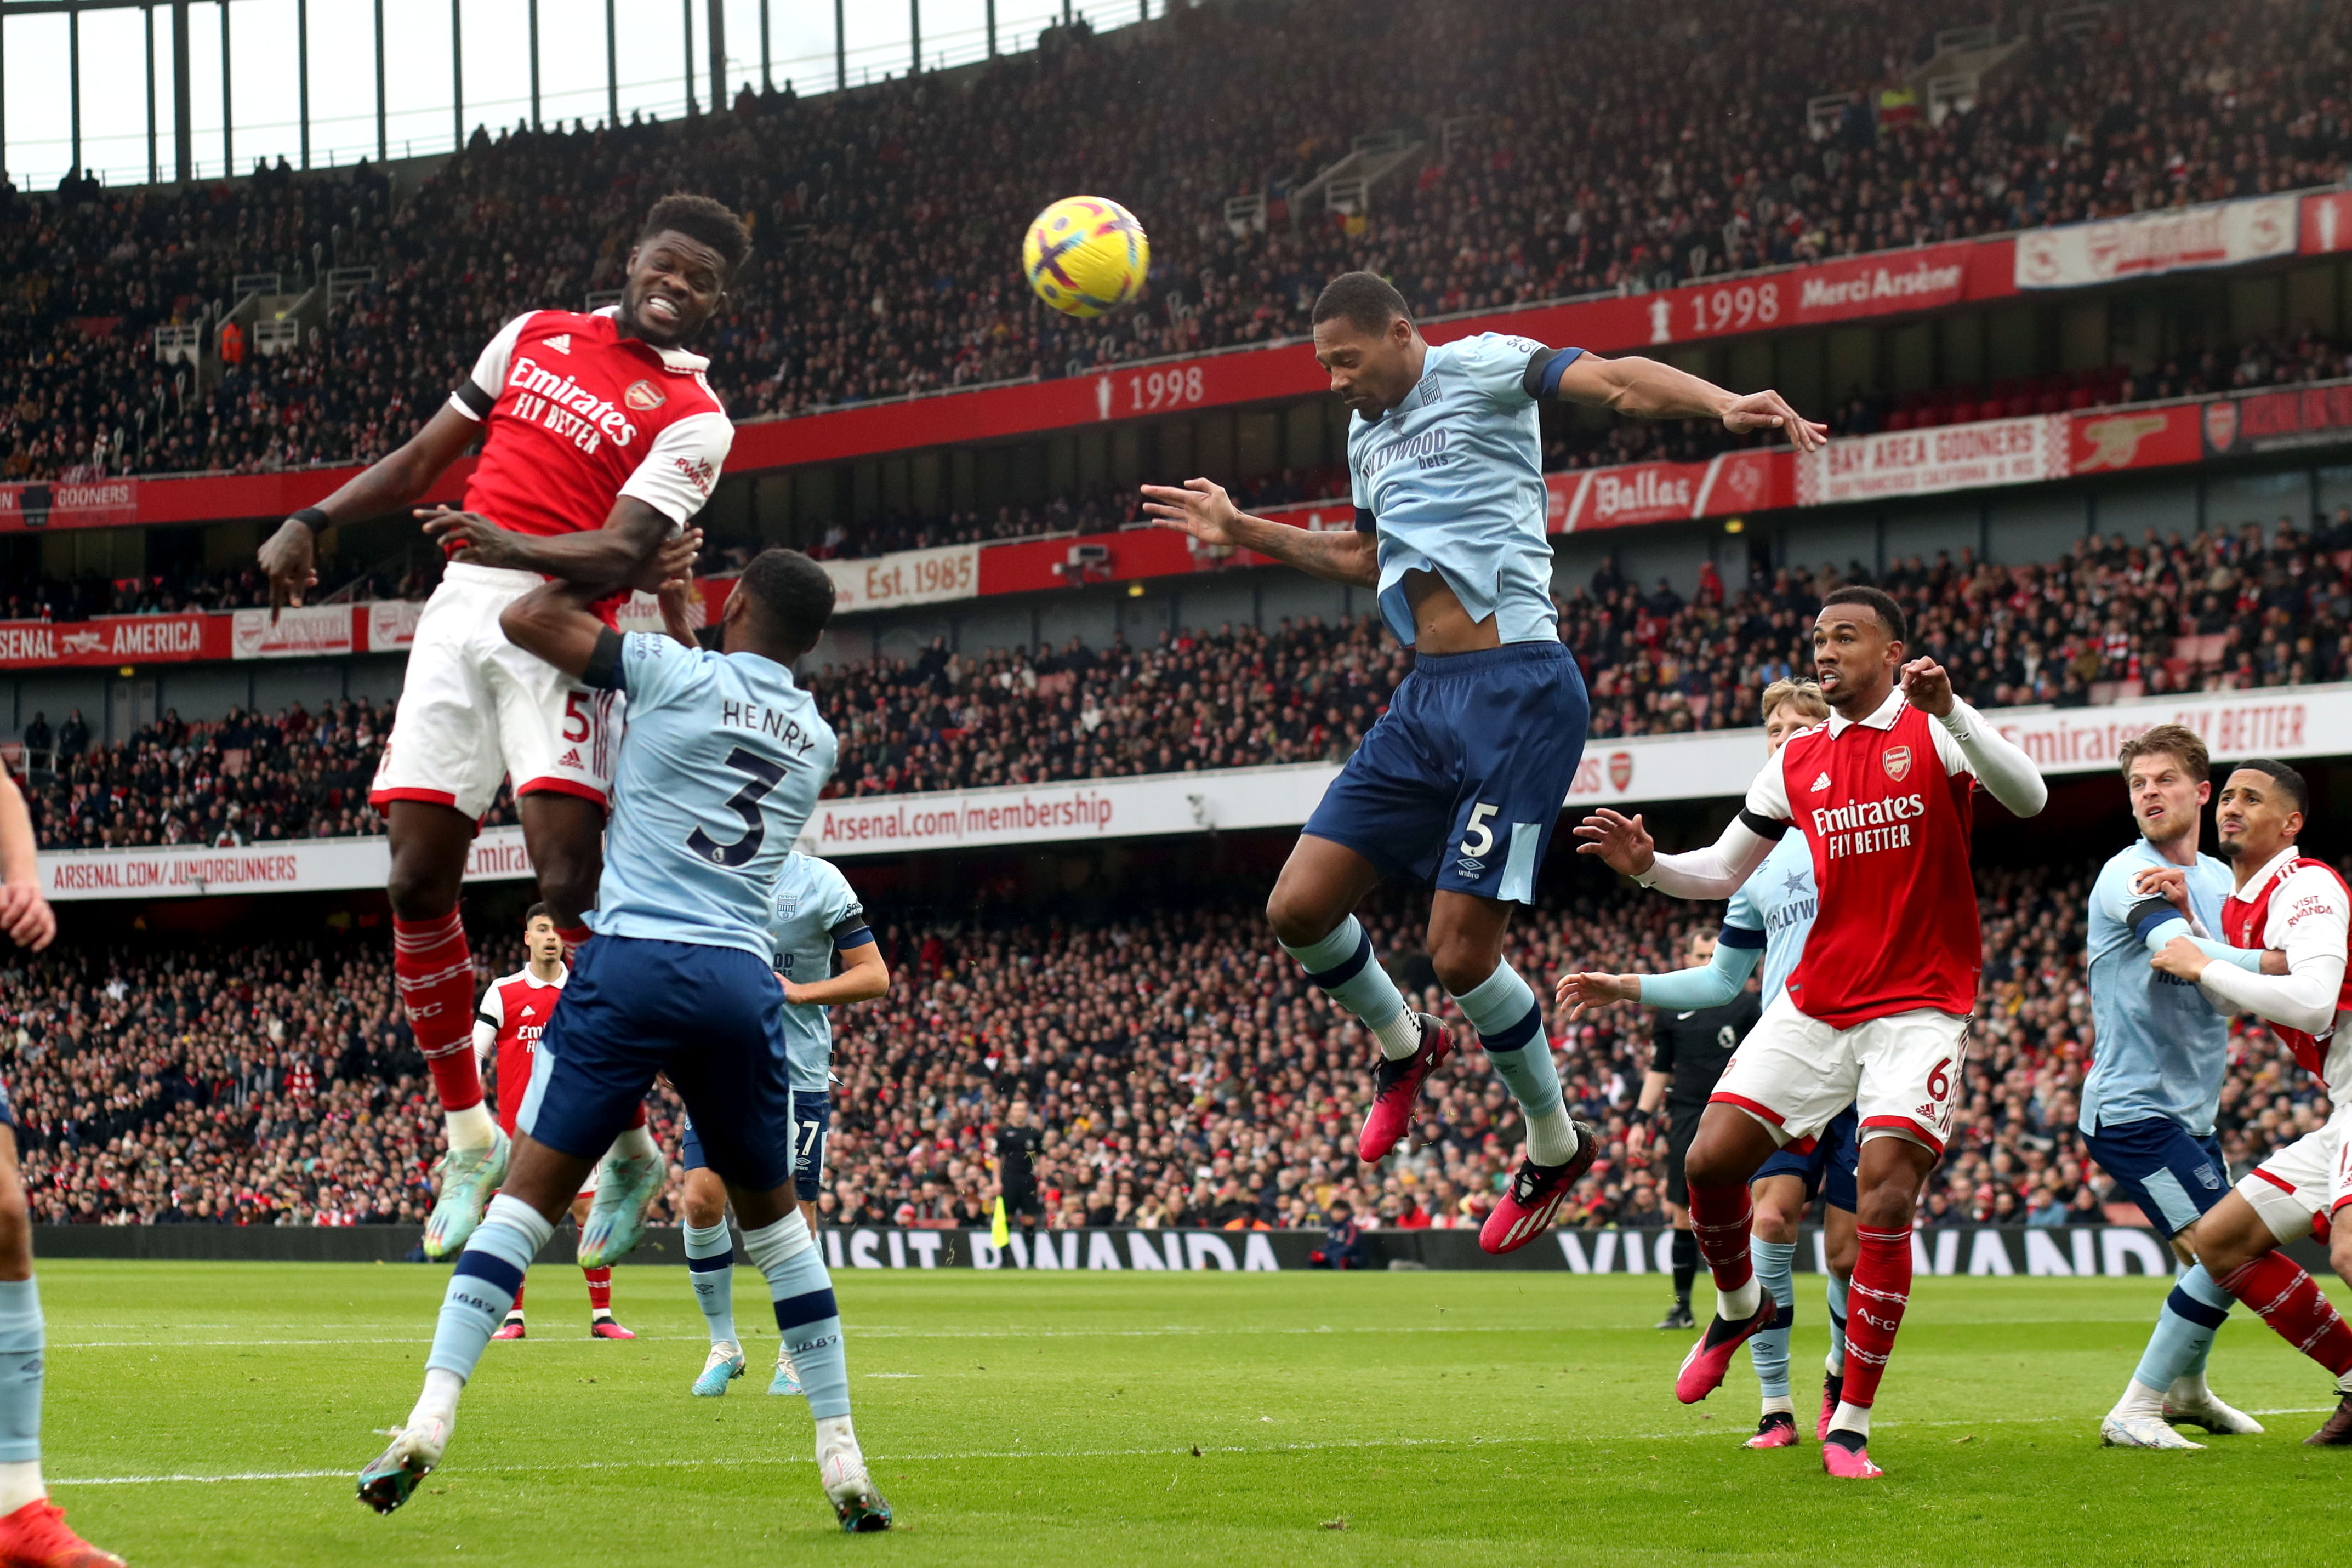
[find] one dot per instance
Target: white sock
(1779, 1405)
(2343, 1384)
(635, 1143)
(439, 1400)
(1738, 1306)
(1833, 1364)
(471, 1128)
(1401, 1036)
(1855, 1418)
(20, 1483)
(2138, 1399)
(835, 1436)
(2189, 1388)
(1551, 1137)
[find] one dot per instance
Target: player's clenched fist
(1622, 841)
(2182, 959)
(1928, 687)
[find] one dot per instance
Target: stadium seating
(1183, 1072)
(2112, 621)
(888, 219)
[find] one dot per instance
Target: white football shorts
(1902, 1073)
(2308, 1176)
(475, 708)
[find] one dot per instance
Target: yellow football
(1086, 255)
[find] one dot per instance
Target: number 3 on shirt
(1480, 838)
(745, 803)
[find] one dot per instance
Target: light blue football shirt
(814, 912)
(1779, 902)
(2160, 1049)
(718, 767)
(1451, 478)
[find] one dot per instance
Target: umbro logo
(560, 343)
(570, 759)
(1472, 867)
(1821, 783)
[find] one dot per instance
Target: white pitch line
(2089, 1423)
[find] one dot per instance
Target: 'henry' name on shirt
(774, 722)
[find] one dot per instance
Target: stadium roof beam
(612, 71)
(534, 65)
(915, 37)
(840, 50)
(685, 41)
(456, 72)
(302, 73)
(716, 43)
(184, 113)
(768, 55)
(383, 137)
(228, 104)
(73, 68)
(155, 168)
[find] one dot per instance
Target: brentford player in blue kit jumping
(1460, 782)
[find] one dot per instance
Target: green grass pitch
(215, 1412)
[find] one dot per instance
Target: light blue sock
(1836, 1362)
(21, 1342)
(1341, 965)
(482, 1286)
(787, 1256)
(2184, 1330)
(1769, 1347)
(710, 1265)
(1510, 1020)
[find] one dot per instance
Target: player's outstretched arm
(288, 556)
(1202, 509)
(24, 914)
(1715, 872)
(626, 552)
(1647, 388)
(864, 977)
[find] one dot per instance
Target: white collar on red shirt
(2271, 870)
(562, 972)
(671, 358)
(1882, 718)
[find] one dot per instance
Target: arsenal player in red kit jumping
(600, 439)
(1877, 1012)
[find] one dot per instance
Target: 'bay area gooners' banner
(1947, 457)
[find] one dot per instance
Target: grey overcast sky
(419, 90)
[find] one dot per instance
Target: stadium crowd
(2231, 609)
(886, 218)
(1182, 1071)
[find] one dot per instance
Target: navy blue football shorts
(2173, 1175)
(812, 1120)
(1828, 1166)
(1461, 782)
(711, 1018)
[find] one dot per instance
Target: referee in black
(1017, 1146)
(1689, 1052)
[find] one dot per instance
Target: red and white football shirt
(577, 415)
(1883, 803)
(2301, 907)
(513, 1014)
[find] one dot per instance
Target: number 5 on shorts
(1480, 838)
